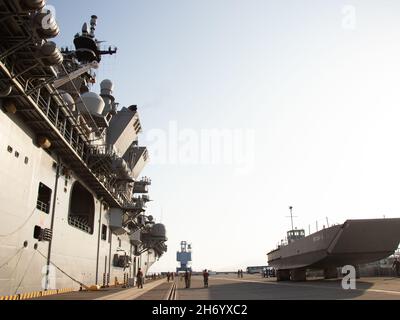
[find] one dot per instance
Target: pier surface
(255, 288)
(229, 287)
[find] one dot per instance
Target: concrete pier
(252, 287)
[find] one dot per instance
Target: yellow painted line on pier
(37, 294)
(24, 296)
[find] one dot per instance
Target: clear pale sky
(318, 86)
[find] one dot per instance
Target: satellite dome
(107, 87)
(92, 101)
(69, 101)
(159, 231)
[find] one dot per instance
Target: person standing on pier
(396, 267)
(206, 275)
(187, 279)
(139, 277)
(168, 276)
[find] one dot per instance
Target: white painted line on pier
(134, 293)
(381, 291)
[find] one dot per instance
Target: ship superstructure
(73, 202)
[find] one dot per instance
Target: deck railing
(77, 223)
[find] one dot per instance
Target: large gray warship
(354, 243)
(73, 211)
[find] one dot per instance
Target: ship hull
(353, 243)
(73, 209)
(81, 256)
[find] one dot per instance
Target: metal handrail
(72, 221)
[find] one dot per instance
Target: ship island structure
(73, 211)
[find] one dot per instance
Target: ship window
(9, 149)
(81, 212)
(37, 232)
(44, 198)
(104, 233)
